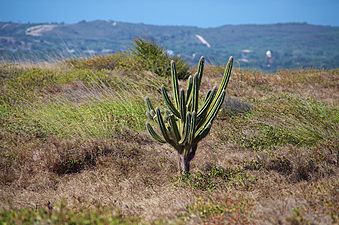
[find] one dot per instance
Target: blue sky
(175, 12)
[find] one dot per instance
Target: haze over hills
(292, 45)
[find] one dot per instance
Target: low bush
(155, 59)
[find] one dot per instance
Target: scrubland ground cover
(73, 149)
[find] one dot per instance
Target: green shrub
(155, 59)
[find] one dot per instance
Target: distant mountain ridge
(291, 45)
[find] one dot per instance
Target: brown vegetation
(255, 167)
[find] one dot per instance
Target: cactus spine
(183, 124)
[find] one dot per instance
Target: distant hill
(292, 45)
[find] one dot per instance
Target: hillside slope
(293, 45)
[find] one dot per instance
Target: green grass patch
(64, 215)
(205, 210)
(215, 177)
(42, 77)
(268, 136)
(298, 217)
(286, 119)
(65, 102)
(228, 209)
(36, 83)
(106, 62)
(96, 119)
(4, 109)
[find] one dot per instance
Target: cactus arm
(189, 91)
(154, 134)
(189, 88)
(202, 134)
(198, 75)
(182, 105)
(200, 70)
(195, 96)
(175, 129)
(213, 113)
(216, 109)
(208, 95)
(175, 83)
(149, 116)
(168, 102)
(209, 99)
(186, 129)
(162, 126)
(192, 128)
(227, 75)
(149, 106)
(224, 82)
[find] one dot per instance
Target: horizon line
(168, 25)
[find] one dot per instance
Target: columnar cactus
(183, 124)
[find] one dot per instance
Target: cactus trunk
(185, 159)
(184, 165)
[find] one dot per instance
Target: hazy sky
(175, 12)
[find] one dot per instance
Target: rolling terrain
(74, 150)
(293, 45)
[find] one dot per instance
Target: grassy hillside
(73, 149)
(293, 45)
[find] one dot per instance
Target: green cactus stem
(182, 124)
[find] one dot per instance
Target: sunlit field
(74, 148)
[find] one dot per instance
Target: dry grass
(275, 163)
